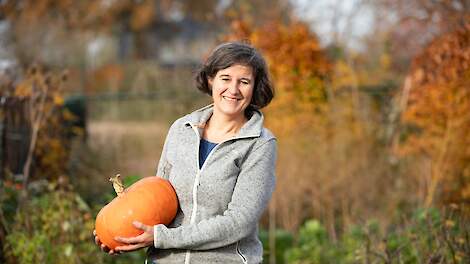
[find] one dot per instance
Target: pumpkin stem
(117, 184)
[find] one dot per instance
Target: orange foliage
(439, 111)
(107, 77)
(142, 15)
(332, 165)
(80, 14)
(299, 71)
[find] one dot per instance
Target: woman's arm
(164, 167)
(251, 195)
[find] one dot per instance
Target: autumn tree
(327, 141)
(411, 24)
(54, 32)
(436, 107)
(333, 164)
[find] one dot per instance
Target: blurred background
(372, 116)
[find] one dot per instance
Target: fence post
(2, 138)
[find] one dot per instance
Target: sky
(346, 20)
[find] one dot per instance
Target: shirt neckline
(205, 140)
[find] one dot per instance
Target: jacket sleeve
(250, 197)
(164, 167)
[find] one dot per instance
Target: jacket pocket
(239, 252)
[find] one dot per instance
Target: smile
(231, 98)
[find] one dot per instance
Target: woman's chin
(231, 111)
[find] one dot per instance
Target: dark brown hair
(231, 53)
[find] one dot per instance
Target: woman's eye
(225, 79)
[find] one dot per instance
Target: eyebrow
(227, 75)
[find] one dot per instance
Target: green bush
(313, 246)
(429, 236)
(284, 241)
(56, 227)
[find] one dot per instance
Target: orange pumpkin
(151, 201)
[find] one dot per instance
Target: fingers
(104, 248)
(142, 226)
(97, 239)
(130, 247)
(131, 240)
(142, 238)
(114, 252)
(132, 243)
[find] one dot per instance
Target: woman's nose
(233, 87)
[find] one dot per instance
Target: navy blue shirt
(204, 149)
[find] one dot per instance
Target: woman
(220, 160)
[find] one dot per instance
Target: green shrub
(284, 241)
(428, 236)
(56, 227)
(313, 246)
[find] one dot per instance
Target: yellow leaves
(344, 75)
(465, 190)
(50, 154)
(58, 99)
(23, 89)
(41, 97)
(68, 116)
(385, 61)
(449, 223)
(142, 15)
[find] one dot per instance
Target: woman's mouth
(233, 99)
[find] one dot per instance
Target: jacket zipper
(196, 183)
(240, 253)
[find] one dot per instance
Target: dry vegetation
(131, 147)
(337, 158)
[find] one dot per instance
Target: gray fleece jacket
(221, 203)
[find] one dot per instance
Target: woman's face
(232, 89)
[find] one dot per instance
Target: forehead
(237, 69)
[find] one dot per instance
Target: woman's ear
(209, 81)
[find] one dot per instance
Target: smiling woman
(229, 54)
(220, 161)
(232, 89)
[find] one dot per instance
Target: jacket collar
(252, 128)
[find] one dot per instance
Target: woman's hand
(103, 247)
(138, 242)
